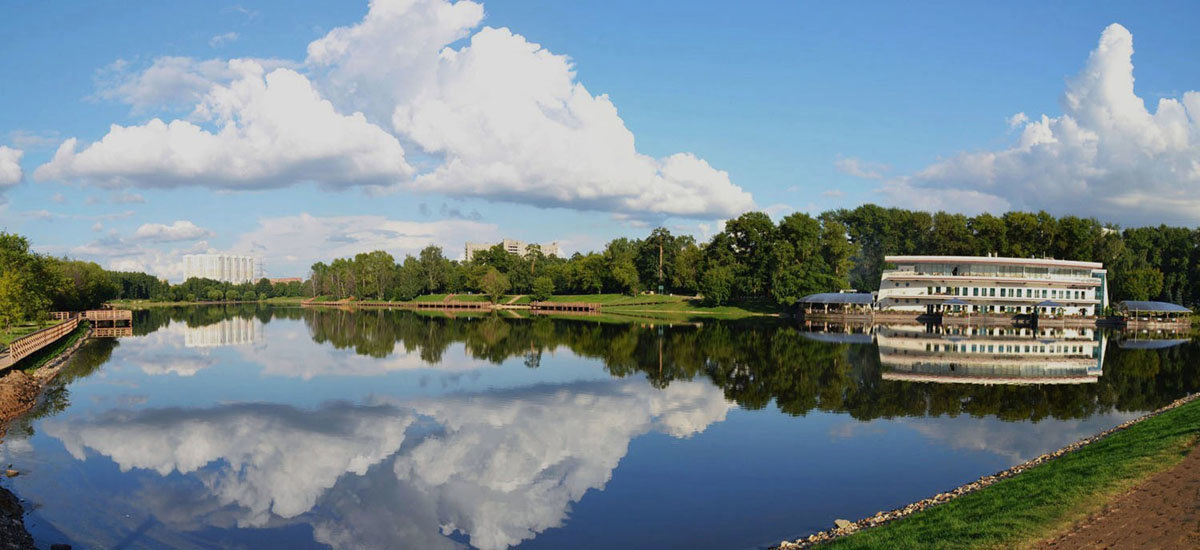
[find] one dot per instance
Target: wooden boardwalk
(571, 307)
(29, 344)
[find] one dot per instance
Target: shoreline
(19, 393)
(843, 528)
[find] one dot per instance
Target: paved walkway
(1161, 512)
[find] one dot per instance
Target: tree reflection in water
(754, 361)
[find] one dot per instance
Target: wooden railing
(28, 344)
(108, 315)
(565, 306)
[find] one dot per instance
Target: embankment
(1034, 500)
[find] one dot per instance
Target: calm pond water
(293, 428)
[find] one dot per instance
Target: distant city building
(991, 284)
(285, 280)
(221, 267)
(513, 247)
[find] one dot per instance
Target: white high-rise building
(221, 267)
(513, 246)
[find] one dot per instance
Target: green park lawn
(1048, 498)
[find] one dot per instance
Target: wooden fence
(30, 343)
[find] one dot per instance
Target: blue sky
(719, 108)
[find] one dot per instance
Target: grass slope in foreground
(1048, 498)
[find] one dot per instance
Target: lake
(253, 427)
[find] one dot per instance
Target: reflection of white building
(221, 267)
(229, 332)
(990, 355)
(990, 284)
(513, 246)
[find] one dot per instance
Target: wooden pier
(564, 307)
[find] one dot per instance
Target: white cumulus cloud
(273, 130)
(498, 117)
(1106, 155)
(508, 116)
(180, 230)
(10, 166)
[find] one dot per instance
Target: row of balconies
(1022, 279)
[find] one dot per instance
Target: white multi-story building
(513, 246)
(992, 284)
(221, 267)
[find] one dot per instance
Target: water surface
(237, 427)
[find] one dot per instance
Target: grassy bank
(1047, 498)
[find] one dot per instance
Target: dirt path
(514, 299)
(1162, 512)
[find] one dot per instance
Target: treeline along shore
(751, 258)
(755, 258)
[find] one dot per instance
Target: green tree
(435, 268)
(716, 285)
(543, 288)
(494, 284)
(264, 288)
(1141, 284)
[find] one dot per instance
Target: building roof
(1040, 262)
(864, 298)
(1153, 307)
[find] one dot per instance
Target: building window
(992, 291)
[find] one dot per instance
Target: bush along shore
(948, 520)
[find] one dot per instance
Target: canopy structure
(836, 302)
(955, 302)
(1143, 310)
(1143, 306)
(1049, 303)
(838, 298)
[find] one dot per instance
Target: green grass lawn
(1048, 498)
(694, 307)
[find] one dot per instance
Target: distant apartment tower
(513, 247)
(221, 267)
